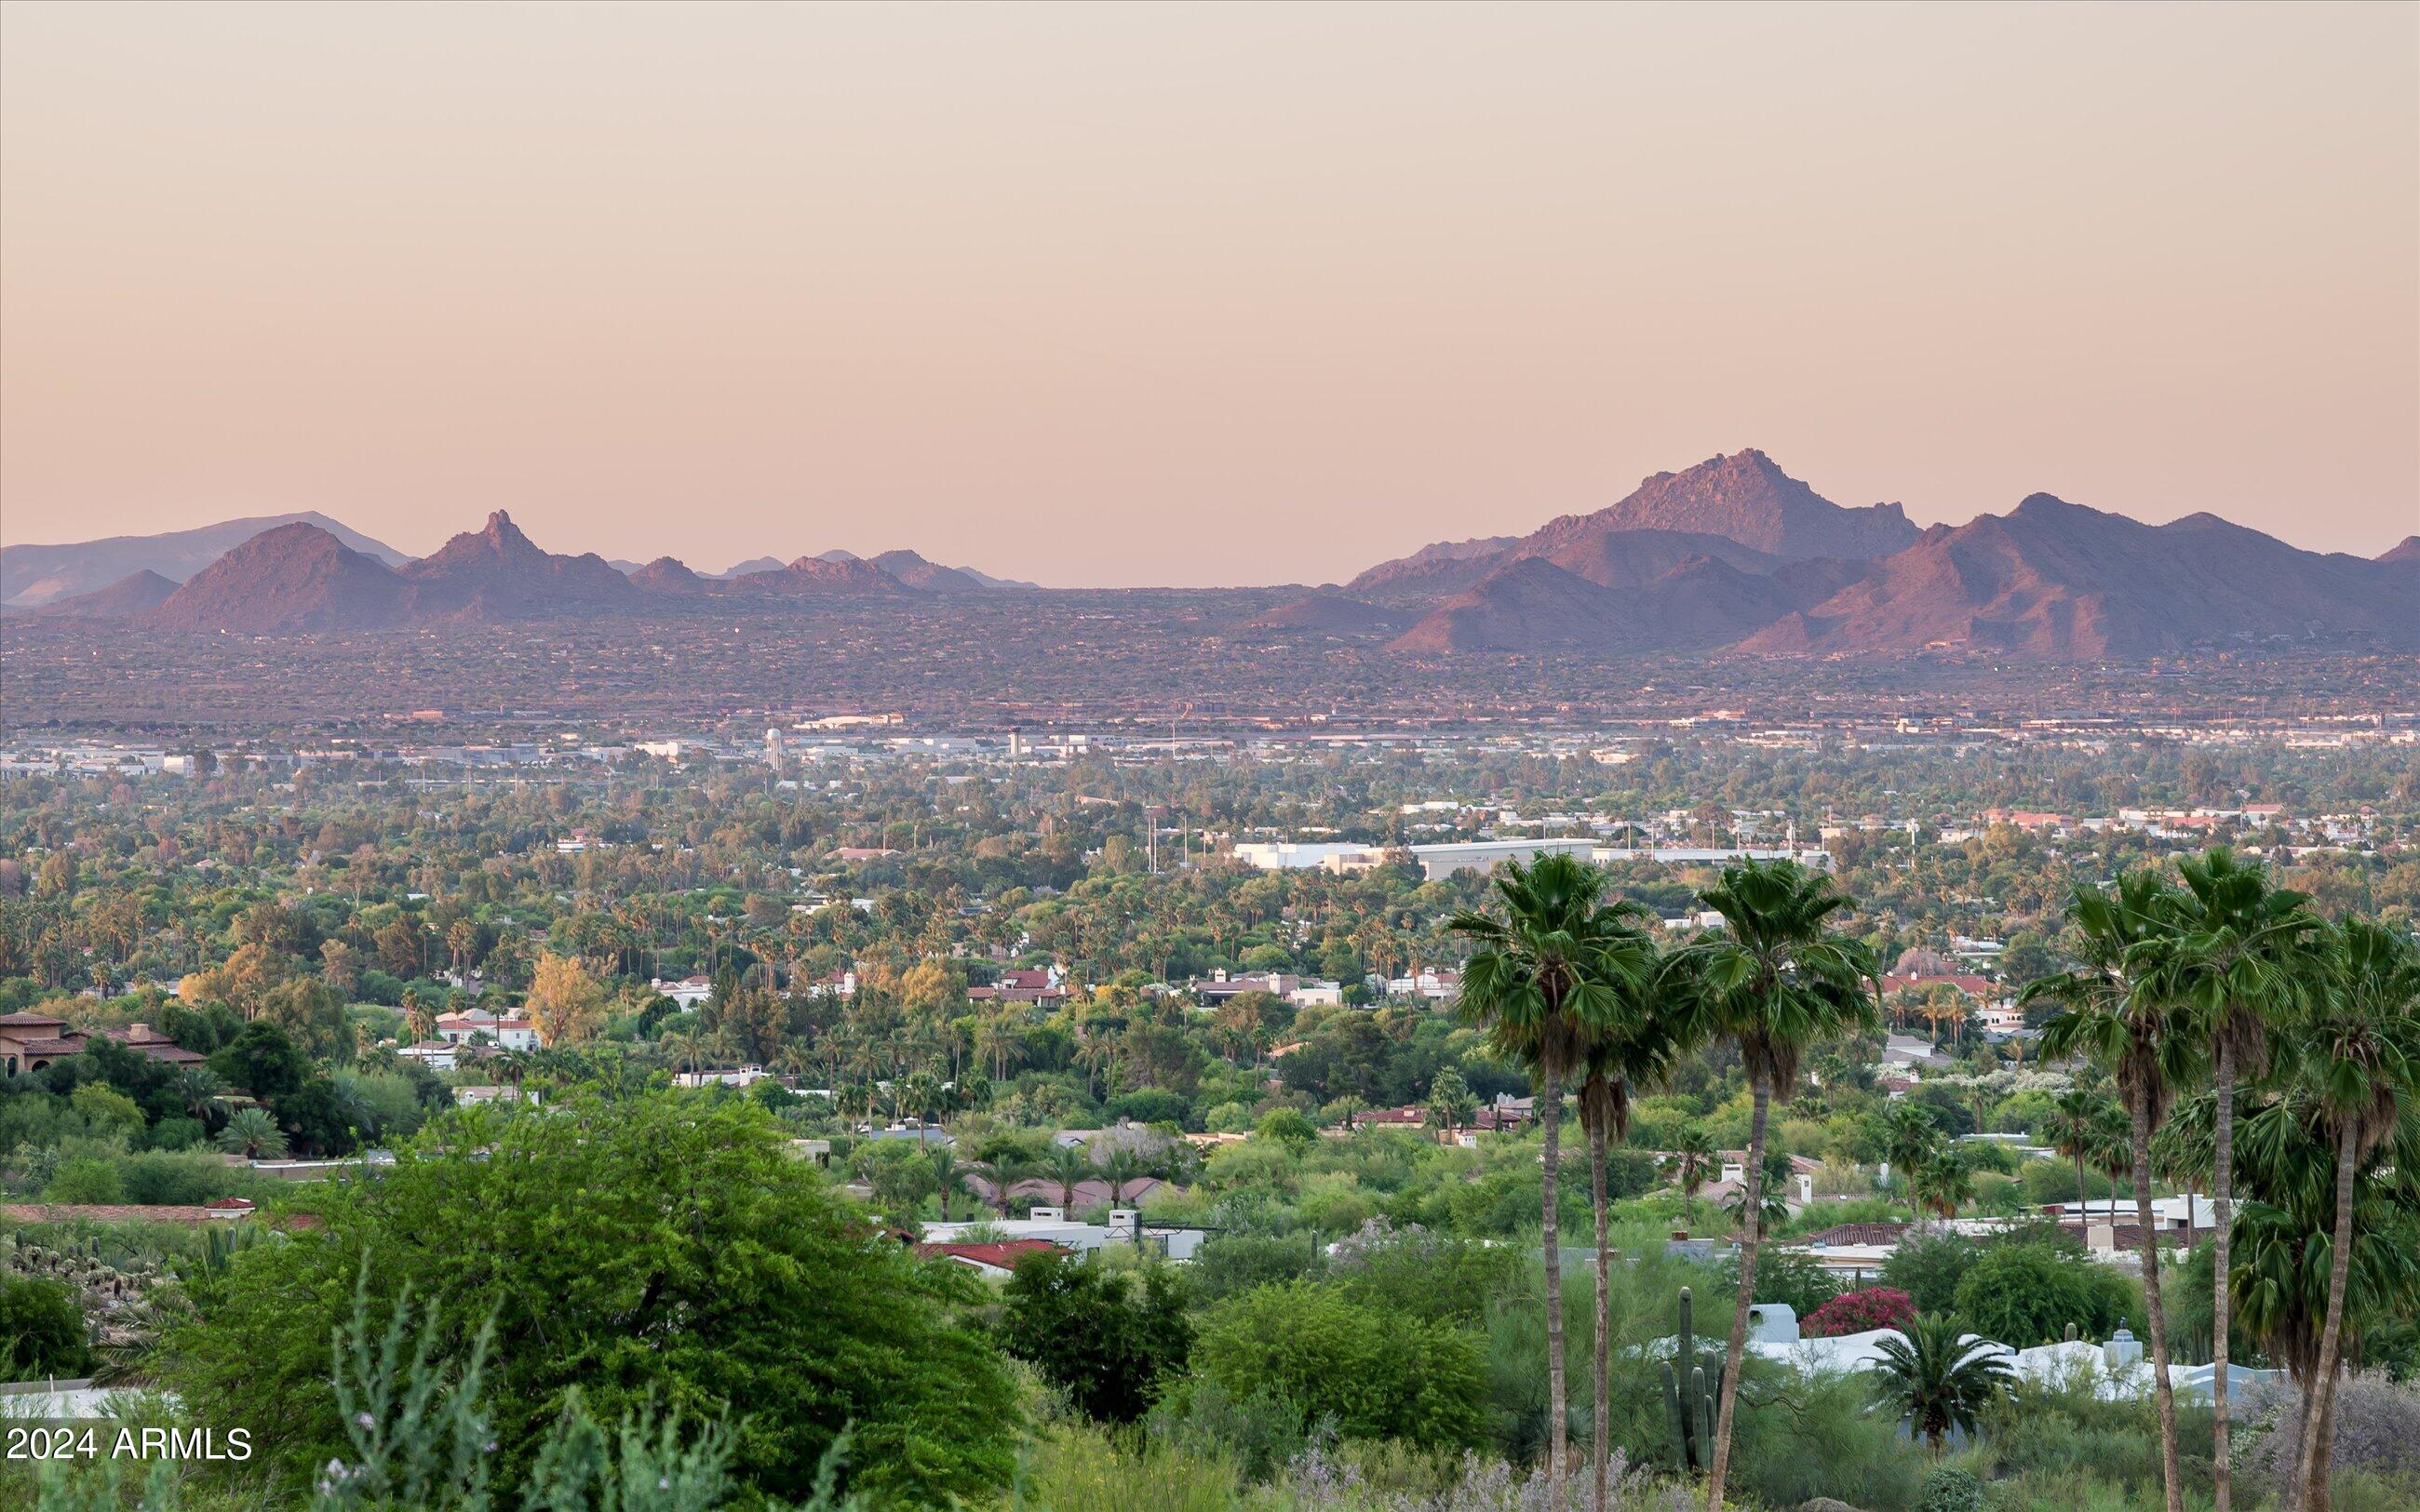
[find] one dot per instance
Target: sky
(1099, 295)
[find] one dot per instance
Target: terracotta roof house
(156, 1045)
(29, 1042)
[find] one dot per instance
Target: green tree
(2359, 1054)
(2111, 1009)
(1634, 1050)
(1693, 1150)
(659, 1251)
(2022, 1294)
(312, 1013)
(1937, 1379)
(1538, 983)
(1929, 1266)
(1104, 1335)
(1315, 1353)
(254, 1134)
(41, 1329)
(2238, 953)
(2088, 1129)
(1450, 1100)
(1003, 1170)
(1775, 981)
(262, 1060)
(1943, 1184)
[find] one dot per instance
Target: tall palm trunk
(2318, 1446)
(1557, 1430)
(2163, 1393)
(1601, 1441)
(1762, 1094)
(2221, 1189)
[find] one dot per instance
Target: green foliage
(1077, 1466)
(1950, 1489)
(1420, 1274)
(2022, 1295)
(1104, 1336)
(1286, 1126)
(1792, 1277)
(41, 1330)
(1937, 1379)
(1929, 1268)
(656, 1253)
(261, 1059)
(1230, 1264)
(1321, 1355)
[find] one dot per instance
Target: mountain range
(1734, 554)
(32, 576)
(302, 576)
(1731, 555)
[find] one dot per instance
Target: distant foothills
(1731, 555)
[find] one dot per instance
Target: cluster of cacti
(115, 1297)
(1689, 1396)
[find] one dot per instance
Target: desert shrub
(1078, 1467)
(1799, 1438)
(1951, 1490)
(1332, 1358)
(2061, 1431)
(177, 1177)
(2377, 1428)
(1232, 1264)
(1342, 1480)
(1414, 1272)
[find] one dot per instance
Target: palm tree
(2111, 1007)
(2287, 1169)
(196, 1088)
(1637, 1050)
(1125, 1169)
(2362, 1056)
(1940, 1378)
(1943, 1184)
(1695, 1151)
(1775, 981)
(1450, 1101)
(1537, 984)
(1069, 1165)
(683, 1048)
(2239, 953)
(947, 1174)
(1911, 1143)
(2079, 1127)
(254, 1134)
(922, 1095)
(1000, 1173)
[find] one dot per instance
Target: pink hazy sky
(1109, 295)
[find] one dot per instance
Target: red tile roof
(1001, 1255)
(1854, 1234)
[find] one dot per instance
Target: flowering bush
(1858, 1312)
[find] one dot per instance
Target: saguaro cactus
(1688, 1402)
